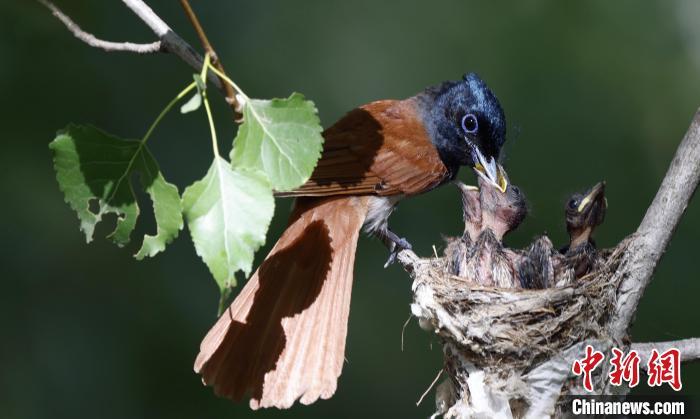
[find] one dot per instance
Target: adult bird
(283, 337)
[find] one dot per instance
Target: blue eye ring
(470, 124)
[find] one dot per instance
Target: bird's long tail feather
(283, 337)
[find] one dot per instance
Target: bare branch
(656, 229)
(229, 90)
(149, 17)
(95, 42)
(169, 41)
(172, 42)
(689, 348)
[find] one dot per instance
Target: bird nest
(518, 327)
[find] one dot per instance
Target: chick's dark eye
(573, 204)
(470, 125)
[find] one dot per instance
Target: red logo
(624, 369)
(587, 365)
(665, 368)
(662, 368)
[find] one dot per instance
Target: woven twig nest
(493, 326)
(509, 350)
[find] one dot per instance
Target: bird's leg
(377, 224)
(394, 243)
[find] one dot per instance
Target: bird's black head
(467, 125)
(584, 212)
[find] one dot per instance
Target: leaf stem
(145, 138)
(229, 81)
(167, 109)
(223, 299)
(214, 142)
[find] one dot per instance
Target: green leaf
(193, 104)
(281, 137)
(196, 100)
(167, 208)
(228, 213)
(93, 167)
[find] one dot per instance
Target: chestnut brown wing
(381, 148)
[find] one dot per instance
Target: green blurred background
(592, 90)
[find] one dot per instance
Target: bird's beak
(596, 193)
(489, 170)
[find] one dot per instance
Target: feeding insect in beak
(596, 193)
(489, 170)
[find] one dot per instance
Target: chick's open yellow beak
(495, 175)
(502, 180)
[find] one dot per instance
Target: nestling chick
(539, 264)
(501, 212)
(457, 248)
(584, 212)
(484, 259)
(542, 267)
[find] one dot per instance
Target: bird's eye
(469, 123)
(516, 190)
(573, 204)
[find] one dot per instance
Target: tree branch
(689, 348)
(228, 89)
(149, 17)
(169, 41)
(95, 42)
(657, 227)
(172, 42)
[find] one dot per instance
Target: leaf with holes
(228, 213)
(280, 137)
(95, 168)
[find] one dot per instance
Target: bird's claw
(397, 245)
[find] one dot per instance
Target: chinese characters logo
(661, 368)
